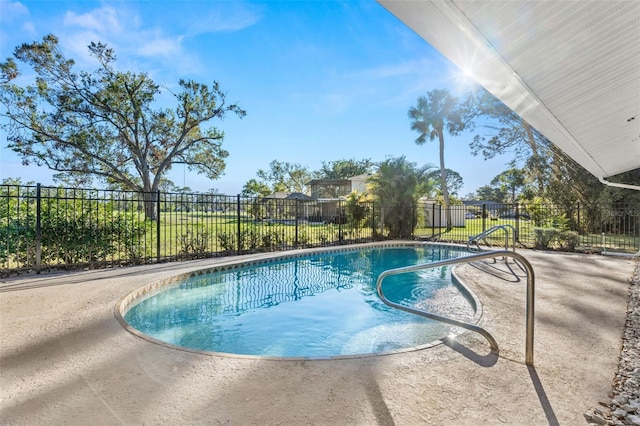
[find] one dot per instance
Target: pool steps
(530, 303)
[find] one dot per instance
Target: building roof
(480, 202)
(288, 196)
(328, 182)
(363, 176)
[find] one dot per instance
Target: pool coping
(131, 299)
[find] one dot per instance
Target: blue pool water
(316, 306)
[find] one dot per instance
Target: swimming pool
(315, 305)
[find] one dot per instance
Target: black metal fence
(44, 228)
(578, 227)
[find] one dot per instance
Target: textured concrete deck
(65, 359)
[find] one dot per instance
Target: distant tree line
(105, 125)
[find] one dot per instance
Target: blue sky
(320, 81)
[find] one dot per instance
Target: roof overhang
(571, 69)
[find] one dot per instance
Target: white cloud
(16, 17)
(121, 29)
(146, 36)
(102, 20)
(77, 44)
(11, 10)
(160, 47)
(224, 16)
(29, 28)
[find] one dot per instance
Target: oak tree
(107, 124)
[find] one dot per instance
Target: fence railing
(45, 228)
(593, 228)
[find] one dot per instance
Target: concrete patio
(65, 359)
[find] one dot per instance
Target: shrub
(357, 210)
(249, 239)
(303, 238)
(560, 222)
(272, 239)
(129, 232)
(74, 232)
(227, 241)
(568, 240)
(19, 246)
(195, 240)
(543, 237)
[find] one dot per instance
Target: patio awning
(571, 69)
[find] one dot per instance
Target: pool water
(317, 306)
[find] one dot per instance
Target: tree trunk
(150, 207)
(536, 156)
(443, 181)
(150, 196)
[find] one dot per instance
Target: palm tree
(430, 117)
(398, 185)
(253, 188)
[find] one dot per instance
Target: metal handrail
(486, 255)
(483, 235)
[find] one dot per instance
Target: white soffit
(569, 68)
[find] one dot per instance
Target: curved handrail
(482, 235)
(530, 305)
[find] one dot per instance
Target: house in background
(336, 189)
(480, 207)
(324, 204)
(328, 193)
(296, 206)
(434, 214)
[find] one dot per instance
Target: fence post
(158, 226)
(339, 219)
(413, 221)
(484, 217)
(517, 230)
(297, 202)
(373, 221)
(238, 234)
(38, 229)
(433, 219)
